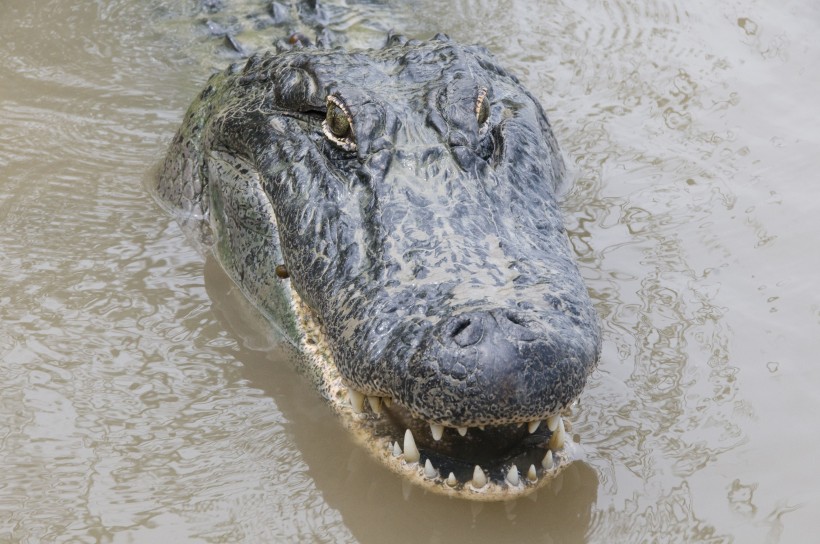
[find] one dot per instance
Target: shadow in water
(374, 503)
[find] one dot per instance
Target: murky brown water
(142, 401)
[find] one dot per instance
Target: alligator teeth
(429, 470)
(356, 400)
(558, 436)
(532, 426)
(451, 480)
(552, 422)
(437, 431)
(479, 478)
(375, 404)
(411, 452)
(462, 430)
(396, 449)
(532, 475)
(512, 475)
(547, 463)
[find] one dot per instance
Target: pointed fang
(558, 437)
(462, 431)
(375, 404)
(356, 400)
(552, 422)
(396, 449)
(411, 452)
(451, 480)
(548, 463)
(437, 430)
(532, 426)
(512, 476)
(532, 475)
(479, 478)
(429, 470)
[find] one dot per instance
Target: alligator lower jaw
(505, 462)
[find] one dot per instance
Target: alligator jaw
(528, 458)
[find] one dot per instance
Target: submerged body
(394, 212)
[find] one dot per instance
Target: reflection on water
(141, 400)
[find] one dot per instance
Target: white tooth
(375, 405)
(411, 452)
(437, 431)
(429, 470)
(356, 400)
(451, 480)
(532, 475)
(387, 401)
(547, 463)
(462, 431)
(532, 426)
(552, 422)
(558, 437)
(479, 478)
(512, 475)
(396, 449)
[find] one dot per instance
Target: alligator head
(400, 203)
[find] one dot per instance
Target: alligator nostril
(516, 326)
(514, 319)
(467, 332)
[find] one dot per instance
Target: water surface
(141, 400)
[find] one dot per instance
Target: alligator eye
(337, 121)
(482, 109)
(338, 126)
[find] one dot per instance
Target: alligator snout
(495, 367)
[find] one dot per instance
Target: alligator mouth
(469, 456)
(486, 463)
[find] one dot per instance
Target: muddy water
(142, 401)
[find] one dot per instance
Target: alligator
(393, 211)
